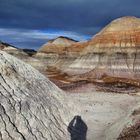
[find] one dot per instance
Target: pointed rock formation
(31, 107)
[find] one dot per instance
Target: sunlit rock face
(31, 107)
(115, 50)
(56, 46)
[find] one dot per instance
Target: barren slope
(29, 103)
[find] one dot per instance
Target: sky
(31, 23)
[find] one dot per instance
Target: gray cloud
(64, 14)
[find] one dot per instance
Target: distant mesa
(57, 45)
(61, 47)
(62, 37)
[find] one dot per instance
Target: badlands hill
(21, 53)
(63, 47)
(114, 51)
(57, 45)
(60, 52)
(122, 32)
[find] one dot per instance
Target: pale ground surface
(100, 111)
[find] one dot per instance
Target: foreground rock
(31, 107)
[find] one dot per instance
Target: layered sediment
(114, 50)
(60, 52)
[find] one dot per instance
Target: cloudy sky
(30, 23)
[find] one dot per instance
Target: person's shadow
(77, 129)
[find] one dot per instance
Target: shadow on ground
(77, 129)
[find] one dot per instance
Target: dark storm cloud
(64, 14)
(81, 16)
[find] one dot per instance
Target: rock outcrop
(31, 107)
(114, 51)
